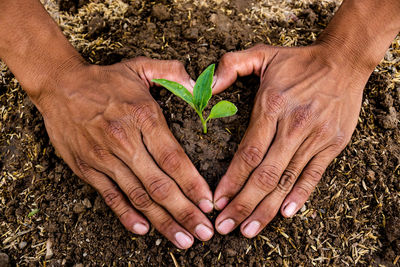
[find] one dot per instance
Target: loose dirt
(352, 217)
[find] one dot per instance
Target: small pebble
(49, 250)
(22, 245)
(79, 208)
(158, 242)
(86, 202)
(303, 209)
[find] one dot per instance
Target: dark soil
(351, 219)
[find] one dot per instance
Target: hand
(305, 112)
(104, 123)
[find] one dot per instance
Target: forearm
(361, 31)
(32, 45)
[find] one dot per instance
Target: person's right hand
(105, 124)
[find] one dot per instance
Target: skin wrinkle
(353, 43)
(317, 90)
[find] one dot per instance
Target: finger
(171, 158)
(307, 182)
(270, 205)
(141, 200)
(163, 147)
(114, 198)
(251, 151)
(163, 190)
(149, 69)
(242, 63)
(263, 180)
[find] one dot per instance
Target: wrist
(51, 76)
(345, 55)
(60, 83)
(356, 40)
(33, 47)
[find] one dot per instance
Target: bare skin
(104, 123)
(305, 112)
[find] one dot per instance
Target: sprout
(202, 92)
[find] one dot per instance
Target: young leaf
(177, 89)
(222, 109)
(202, 89)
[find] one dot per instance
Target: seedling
(202, 92)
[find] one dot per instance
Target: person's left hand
(304, 114)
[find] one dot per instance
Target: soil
(351, 219)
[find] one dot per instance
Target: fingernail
(226, 226)
(140, 228)
(251, 229)
(192, 82)
(221, 203)
(206, 205)
(290, 209)
(183, 240)
(203, 232)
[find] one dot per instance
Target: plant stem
(203, 122)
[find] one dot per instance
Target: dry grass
(351, 247)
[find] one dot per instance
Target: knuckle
(313, 174)
(300, 117)
(160, 189)
(272, 104)
(251, 155)
(226, 59)
(242, 209)
(145, 116)
(260, 46)
(323, 131)
(287, 180)
(186, 216)
(83, 167)
(115, 130)
(166, 223)
(139, 197)
(267, 178)
(100, 152)
(176, 65)
(112, 198)
(122, 213)
(170, 161)
(339, 142)
(192, 188)
(305, 189)
(139, 59)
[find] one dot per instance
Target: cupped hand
(304, 114)
(105, 124)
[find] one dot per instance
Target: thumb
(242, 63)
(149, 69)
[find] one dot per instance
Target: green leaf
(202, 89)
(222, 109)
(33, 212)
(177, 89)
